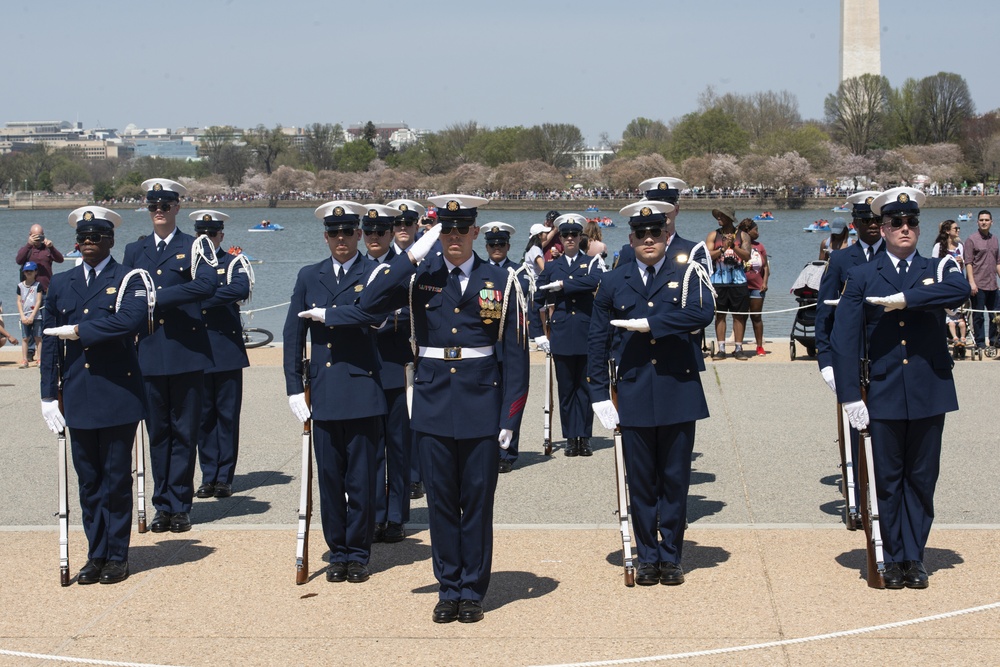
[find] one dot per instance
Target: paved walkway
(767, 559)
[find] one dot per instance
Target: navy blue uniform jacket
(102, 385)
(910, 367)
(658, 381)
(458, 399)
(570, 319)
(394, 342)
(830, 287)
(179, 342)
(343, 362)
(222, 315)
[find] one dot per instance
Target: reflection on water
(301, 243)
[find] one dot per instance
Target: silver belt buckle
(452, 353)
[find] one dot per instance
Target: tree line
(871, 134)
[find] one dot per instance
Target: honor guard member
(404, 233)
(348, 404)
(97, 308)
(655, 304)
(869, 245)
(176, 353)
(497, 236)
(893, 310)
(568, 283)
(219, 444)
(461, 308)
(395, 444)
(666, 189)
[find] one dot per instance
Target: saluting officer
(219, 444)
(497, 236)
(97, 313)
(348, 404)
(462, 307)
(568, 283)
(392, 460)
(667, 189)
(175, 354)
(893, 309)
(653, 305)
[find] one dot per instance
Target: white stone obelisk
(860, 39)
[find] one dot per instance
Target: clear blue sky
(431, 63)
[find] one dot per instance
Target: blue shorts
(755, 294)
(33, 330)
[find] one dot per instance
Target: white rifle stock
(549, 370)
(851, 516)
(305, 493)
(875, 558)
(63, 482)
(140, 476)
(622, 484)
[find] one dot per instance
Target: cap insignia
(453, 205)
(646, 212)
(903, 198)
(662, 185)
(157, 187)
(372, 213)
(404, 207)
(88, 216)
(207, 217)
(869, 200)
(338, 211)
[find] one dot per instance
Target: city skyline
(242, 63)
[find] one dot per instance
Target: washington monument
(860, 39)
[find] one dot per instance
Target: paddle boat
(963, 217)
(602, 222)
(237, 250)
(766, 216)
(266, 226)
(818, 226)
(841, 209)
(591, 209)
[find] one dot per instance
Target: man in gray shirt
(982, 266)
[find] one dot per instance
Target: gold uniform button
(86, 310)
(328, 364)
(453, 370)
(902, 324)
(159, 272)
(329, 345)
(650, 304)
(204, 312)
(458, 310)
(652, 361)
(906, 361)
(159, 287)
(86, 365)
(161, 321)
(454, 330)
(902, 342)
(652, 341)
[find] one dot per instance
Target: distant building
(860, 39)
(591, 158)
(384, 131)
(167, 148)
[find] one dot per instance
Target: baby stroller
(806, 292)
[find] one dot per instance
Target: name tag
(927, 281)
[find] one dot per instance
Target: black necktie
(455, 281)
(90, 275)
(339, 272)
(160, 245)
(869, 251)
(902, 267)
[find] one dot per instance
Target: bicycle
(255, 336)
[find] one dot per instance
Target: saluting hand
(422, 247)
(318, 314)
(65, 332)
(892, 302)
(640, 324)
(553, 286)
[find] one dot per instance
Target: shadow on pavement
(507, 587)
(934, 559)
(696, 557)
(166, 553)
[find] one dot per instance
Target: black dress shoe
(357, 572)
(572, 447)
(446, 611)
(161, 522)
(206, 490)
(416, 490)
(379, 534)
(505, 466)
(585, 449)
(180, 522)
(223, 490)
(91, 572)
(470, 611)
(394, 532)
(915, 575)
(893, 576)
(337, 572)
(671, 574)
(114, 571)
(648, 574)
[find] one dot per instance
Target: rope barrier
(767, 312)
(257, 310)
(81, 661)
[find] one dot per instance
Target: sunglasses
(159, 207)
(91, 237)
(379, 233)
(569, 235)
(653, 233)
(455, 228)
(896, 223)
(496, 244)
(347, 233)
(403, 223)
(211, 234)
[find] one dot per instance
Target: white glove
(504, 438)
(605, 411)
(552, 287)
(66, 332)
(53, 418)
(318, 314)
(827, 373)
(831, 302)
(857, 414)
(892, 302)
(641, 324)
(423, 245)
(543, 344)
(297, 402)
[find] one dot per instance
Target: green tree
(905, 120)
(709, 132)
(232, 162)
(354, 156)
(857, 112)
(552, 143)
(643, 136)
(103, 191)
(322, 140)
(494, 147)
(266, 145)
(946, 104)
(370, 134)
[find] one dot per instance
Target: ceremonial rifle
(868, 501)
(622, 483)
(63, 513)
(305, 493)
(140, 476)
(851, 517)
(544, 315)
